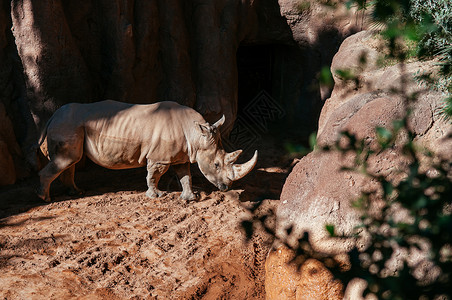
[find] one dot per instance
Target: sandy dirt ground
(115, 243)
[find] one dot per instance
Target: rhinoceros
(119, 135)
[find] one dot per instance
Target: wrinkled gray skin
(119, 135)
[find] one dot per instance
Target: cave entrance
(278, 91)
(258, 110)
(255, 73)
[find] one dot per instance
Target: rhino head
(217, 165)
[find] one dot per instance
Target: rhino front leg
(155, 171)
(183, 172)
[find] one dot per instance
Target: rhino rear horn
(240, 170)
(232, 157)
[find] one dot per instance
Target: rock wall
(11, 164)
(134, 51)
(318, 192)
(141, 51)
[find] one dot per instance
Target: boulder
(376, 77)
(310, 281)
(318, 192)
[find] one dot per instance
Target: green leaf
(384, 136)
(295, 149)
(398, 124)
(326, 78)
(330, 229)
(313, 140)
(345, 74)
(388, 188)
(383, 133)
(421, 202)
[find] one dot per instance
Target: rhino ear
(232, 157)
(219, 122)
(204, 128)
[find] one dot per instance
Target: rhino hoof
(75, 192)
(42, 196)
(188, 196)
(155, 194)
(45, 199)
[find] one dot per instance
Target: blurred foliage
(425, 193)
(426, 196)
(436, 42)
(303, 7)
(439, 13)
(297, 150)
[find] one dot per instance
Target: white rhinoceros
(119, 135)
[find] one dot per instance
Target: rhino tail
(39, 159)
(44, 132)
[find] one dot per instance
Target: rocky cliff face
(56, 52)
(135, 51)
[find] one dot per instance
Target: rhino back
(120, 135)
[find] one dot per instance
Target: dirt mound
(133, 246)
(116, 243)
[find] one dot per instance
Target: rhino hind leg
(155, 171)
(67, 178)
(183, 172)
(63, 156)
(46, 176)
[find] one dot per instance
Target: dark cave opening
(260, 111)
(255, 73)
(274, 94)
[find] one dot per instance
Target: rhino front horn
(240, 170)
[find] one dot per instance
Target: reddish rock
(317, 31)
(376, 80)
(308, 280)
(54, 70)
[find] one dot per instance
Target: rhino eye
(217, 165)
